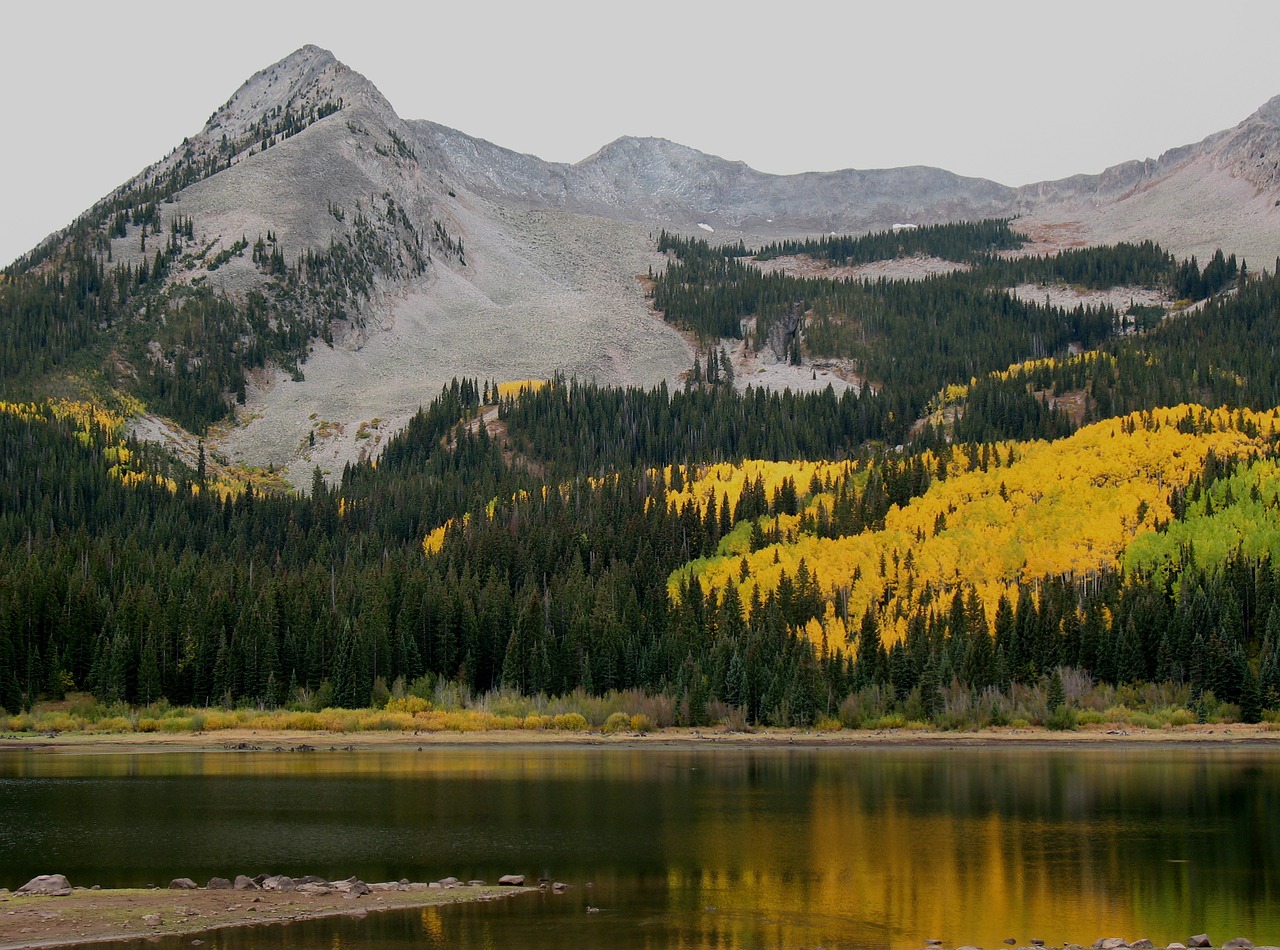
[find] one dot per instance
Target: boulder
(218, 884)
(1176, 946)
(47, 885)
(353, 886)
(309, 879)
(1143, 944)
(449, 882)
(1238, 943)
(1200, 940)
(244, 883)
(278, 882)
(152, 920)
(315, 890)
(183, 884)
(1109, 943)
(511, 880)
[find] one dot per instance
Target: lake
(715, 847)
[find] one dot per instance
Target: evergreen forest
(1039, 502)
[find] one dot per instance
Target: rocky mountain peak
(1269, 112)
(1251, 150)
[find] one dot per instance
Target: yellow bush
(216, 720)
(113, 724)
(827, 724)
(390, 721)
(571, 722)
(535, 721)
(303, 721)
(408, 704)
(641, 723)
(339, 720)
(59, 722)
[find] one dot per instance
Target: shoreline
(87, 916)
(260, 740)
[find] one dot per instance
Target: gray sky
(1012, 91)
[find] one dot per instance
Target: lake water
(716, 848)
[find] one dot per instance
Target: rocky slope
(662, 184)
(1221, 192)
(469, 259)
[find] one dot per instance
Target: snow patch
(905, 227)
(706, 227)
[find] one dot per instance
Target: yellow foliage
(727, 480)
(408, 704)
(515, 388)
(88, 419)
(1067, 508)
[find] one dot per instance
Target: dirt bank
(88, 916)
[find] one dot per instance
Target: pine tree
(866, 667)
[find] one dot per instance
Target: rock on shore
(47, 885)
(1198, 942)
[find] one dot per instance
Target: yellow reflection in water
(905, 854)
(432, 926)
(763, 849)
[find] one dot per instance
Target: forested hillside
(993, 527)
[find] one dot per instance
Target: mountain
(992, 496)
(659, 183)
(1223, 192)
(389, 256)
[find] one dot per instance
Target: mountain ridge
(422, 253)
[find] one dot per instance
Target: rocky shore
(48, 911)
(1198, 942)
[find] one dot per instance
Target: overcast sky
(1010, 91)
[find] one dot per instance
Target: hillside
(1221, 192)
(317, 267)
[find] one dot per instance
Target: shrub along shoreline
(154, 729)
(1064, 702)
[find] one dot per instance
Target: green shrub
(1062, 719)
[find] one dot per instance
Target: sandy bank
(88, 916)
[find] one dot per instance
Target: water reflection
(720, 848)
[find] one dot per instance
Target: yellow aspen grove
(1065, 508)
